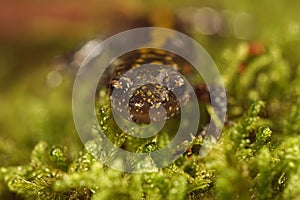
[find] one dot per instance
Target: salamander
(152, 89)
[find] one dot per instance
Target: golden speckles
(116, 84)
(118, 62)
(175, 66)
(135, 65)
(157, 86)
(119, 73)
(140, 60)
(138, 77)
(144, 87)
(160, 52)
(168, 58)
(157, 63)
(149, 93)
(138, 104)
(179, 82)
(143, 51)
(144, 56)
(167, 99)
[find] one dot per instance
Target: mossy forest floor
(257, 156)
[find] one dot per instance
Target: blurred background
(40, 44)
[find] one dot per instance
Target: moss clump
(246, 163)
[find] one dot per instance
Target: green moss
(257, 156)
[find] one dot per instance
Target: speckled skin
(145, 93)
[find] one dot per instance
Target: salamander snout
(153, 102)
